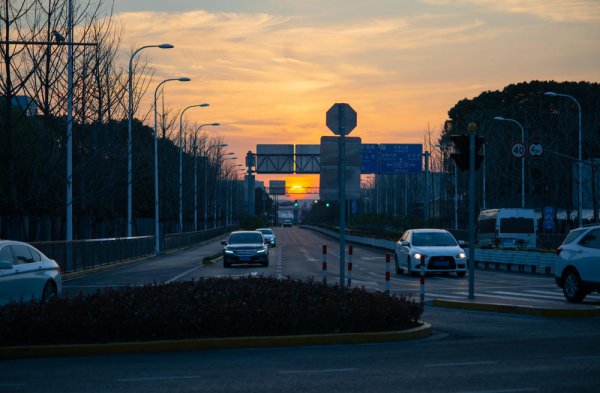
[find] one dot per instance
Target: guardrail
(79, 255)
(488, 259)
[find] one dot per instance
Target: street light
(130, 138)
(206, 181)
(196, 173)
(580, 190)
(156, 202)
(181, 163)
(500, 118)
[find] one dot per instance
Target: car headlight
(417, 256)
(228, 251)
(462, 255)
(261, 250)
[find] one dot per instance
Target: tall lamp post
(500, 118)
(196, 172)
(156, 202)
(181, 163)
(130, 137)
(580, 170)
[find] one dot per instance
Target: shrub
(211, 307)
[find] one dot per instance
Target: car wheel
(572, 288)
(49, 292)
(461, 274)
(397, 264)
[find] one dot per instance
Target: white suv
(577, 270)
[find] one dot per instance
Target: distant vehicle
(26, 274)
(440, 250)
(245, 247)
(507, 228)
(577, 270)
(287, 223)
(269, 235)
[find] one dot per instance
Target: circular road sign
(341, 119)
(518, 150)
(536, 149)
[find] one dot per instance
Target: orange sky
(271, 69)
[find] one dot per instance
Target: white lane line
(150, 379)
(436, 295)
(327, 370)
(184, 274)
(460, 364)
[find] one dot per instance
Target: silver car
(26, 274)
(269, 236)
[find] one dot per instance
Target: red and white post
(387, 273)
(324, 264)
(422, 280)
(349, 265)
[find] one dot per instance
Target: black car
(245, 247)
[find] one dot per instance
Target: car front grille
(246, 251)
(441, 263)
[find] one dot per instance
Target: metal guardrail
(488, 259)
(91, 253)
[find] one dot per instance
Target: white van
(507, 228)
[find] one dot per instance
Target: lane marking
(329, 370)
(459, 364)
(183, 274)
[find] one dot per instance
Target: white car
(577, 270)
(26, 274)
(438, 249)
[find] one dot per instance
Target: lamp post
(206, 182)
(181, 163)
(196, 173)
(580, 170)
(156, 202)
(130, 137)
(500, 118)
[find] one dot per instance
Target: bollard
(349, 265)
(387, 274)
(422, 280)
(324, 263)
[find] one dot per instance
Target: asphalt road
(299, 255)
(468, 352)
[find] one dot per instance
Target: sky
(270, 69)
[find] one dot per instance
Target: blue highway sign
(400, 158)
(369, 158)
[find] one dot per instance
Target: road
(468, 352)
(299, 255)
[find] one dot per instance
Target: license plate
(244, 258)
(442, 263)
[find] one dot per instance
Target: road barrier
(349, 265)
(387, 273)
(529, 261)
(324, 269)
(422, 281)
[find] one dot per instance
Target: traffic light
(461, 151)
(295, 203)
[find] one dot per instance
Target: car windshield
(439, 239)
(265, 231)
(245, 238)
(574, 234)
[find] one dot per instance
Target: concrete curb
(211, 343)
(522, 310)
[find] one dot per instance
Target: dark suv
(245, 247)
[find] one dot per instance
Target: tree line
(33, 124)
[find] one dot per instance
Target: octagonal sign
(341, 119)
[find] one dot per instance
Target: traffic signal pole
(472, 135)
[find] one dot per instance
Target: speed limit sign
(518, 150)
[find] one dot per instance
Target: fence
(79, 255)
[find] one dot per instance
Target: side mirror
(224, 242)
(404, 243)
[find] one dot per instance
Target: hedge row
(212, 307)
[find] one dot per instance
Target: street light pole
(196, 173)
(580, 168)
(156, 201)
(500, 118)
(181, 163)
(130, 137)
